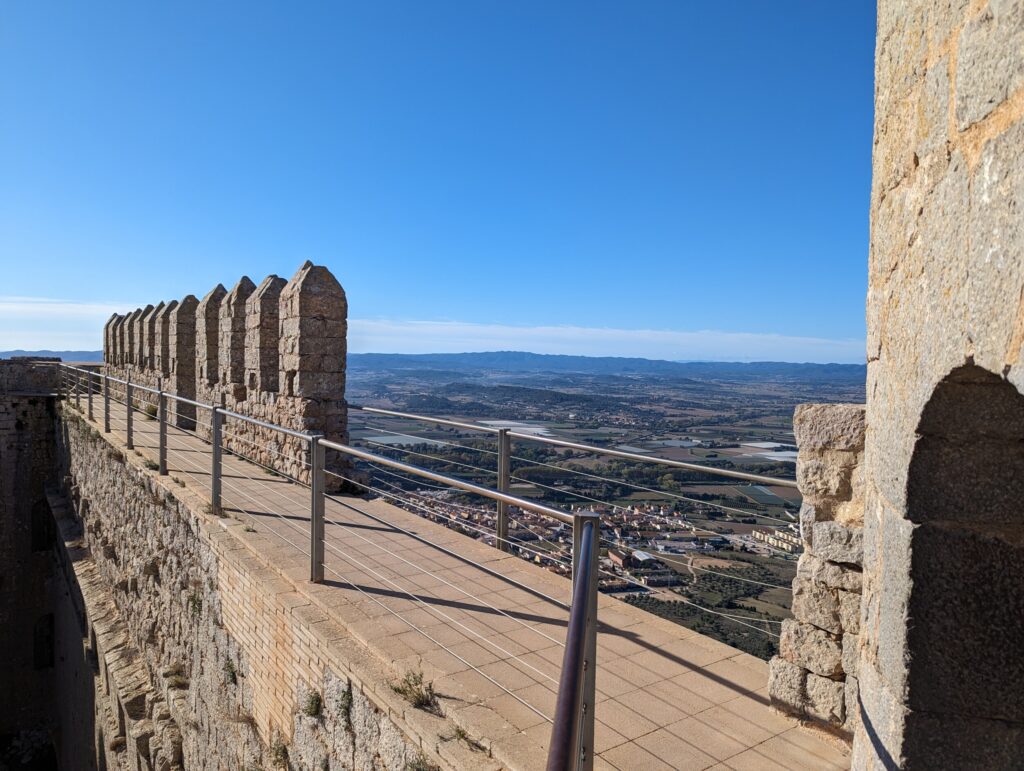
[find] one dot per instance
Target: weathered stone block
(849, 611)
(934, 109)
(989, 66)
(851, 690)
(808, 516)
(811, 648)
(837, 543)
(829, 427)
(787, 686)
(831, 574)
(815, 603)
(851, 652)
(824, 478)
(826, 699)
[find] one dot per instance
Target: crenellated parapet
(274, 352)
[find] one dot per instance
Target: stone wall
(27, 464)
(274, 352)
(205, 655)
(940, 673)
(814, 677)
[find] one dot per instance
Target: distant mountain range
(64, 355)
(521, 361)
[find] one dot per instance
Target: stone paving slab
(489, 629)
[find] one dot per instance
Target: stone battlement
(275, 352)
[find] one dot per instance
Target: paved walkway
(488, 629)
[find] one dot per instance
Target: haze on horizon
(586, 178)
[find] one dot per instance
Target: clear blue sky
(671, 179)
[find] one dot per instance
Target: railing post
(504, 477)
(128, 406)
(88, 394)
(106, 404)
(215, 420)
(316, 509)
(162, 416)
(78, 387)
(589, 700)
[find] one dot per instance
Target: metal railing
(572, 739)
(541, 549)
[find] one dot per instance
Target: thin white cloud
(386, 336)
(45, 323)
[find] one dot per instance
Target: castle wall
(942, 605)
(205, 655)
(814, 677)
(27, 465)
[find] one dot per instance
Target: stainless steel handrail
(760, 479)
(203, 405)
(438, 421)
(572, 732)
(469, 487)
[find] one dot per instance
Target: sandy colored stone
(811, 648)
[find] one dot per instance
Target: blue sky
(669, 179)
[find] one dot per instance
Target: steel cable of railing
(447, 583)
(441, 548)
(636, 486)
(686, 601)
(738, 619)
(366, 426)
(301, 461)
(437, 613)
(518, 543)
(613, 575)
(681, 599)
(665, 493)
(444, 461)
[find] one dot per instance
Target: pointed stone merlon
(148, 348)
(121, 345)
(161, 339)
(231, 353)
(181, 358)
(313, 324)
(262, 336)
(139, 326)
(208, 336)
(110, 339)
(132, 336)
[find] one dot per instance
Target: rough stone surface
(826, 699)
(849, 612)
(830, 573)
(262, 319)
(942, 524)
(231, 347)
(787, 686)
(815, 603)
(823, 636)
(989, 64)
(836, 543)
(829, 427)
(208, 336)
(811, 648)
